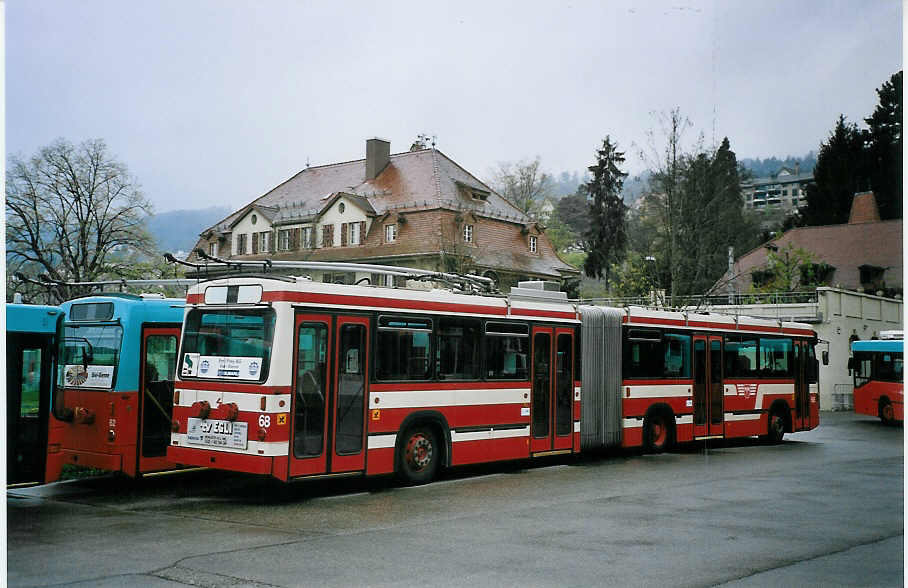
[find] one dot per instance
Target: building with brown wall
(415, 209)
(865, 253)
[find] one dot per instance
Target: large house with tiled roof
(863, 255)
(415, 209)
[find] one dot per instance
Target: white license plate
(217, 433)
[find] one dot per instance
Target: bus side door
(28, 389)
(328, 406)
(156, 378)
(709, 387)
(552, 408)
(802, 386)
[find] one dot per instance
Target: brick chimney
(864, 209)
(378, 154)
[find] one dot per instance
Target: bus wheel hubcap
(888, 413)
(419, 451)
(658, 433)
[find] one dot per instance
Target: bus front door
(802, 386)
(328, 406)
(709, 388)
(551, 407)
(28, 389)
(159, 356)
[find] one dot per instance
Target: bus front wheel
(417, 456)
(886, 412)
(776, 428)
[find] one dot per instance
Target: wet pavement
(825, 507)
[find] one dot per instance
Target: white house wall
(352, 214)
(245, 226)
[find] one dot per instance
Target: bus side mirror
(850, 365)
(826, 358)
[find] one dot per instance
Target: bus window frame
(266, 364)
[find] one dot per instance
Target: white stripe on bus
(669, 390)
(382, 441)
(490, 434)
(245, 401)
(268, 449)
(427, 398)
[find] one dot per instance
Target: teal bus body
(111, 389)
(32, 337)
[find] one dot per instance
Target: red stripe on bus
(543, 313)
(634, 320)
(231, 387)
(374, 301)
(410, 386)
(238, 462)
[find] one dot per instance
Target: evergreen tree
(841, 171)
(606, 237)
(885, 148)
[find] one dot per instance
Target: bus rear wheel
(658, 433)
(417, 456)
(886, 412)
(775, 428)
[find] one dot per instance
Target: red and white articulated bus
(292, 378)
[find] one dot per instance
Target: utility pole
(731, 275)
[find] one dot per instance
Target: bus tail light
(232, 411)
(201, 409)
(111, 435)
(176, 397)
(264, 402)
(83, 415)
(262, 433)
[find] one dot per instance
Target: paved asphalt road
(824, 508)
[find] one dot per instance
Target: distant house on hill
(785, 191)
(865, 254)
(416, 209)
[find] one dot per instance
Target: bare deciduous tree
(524, 184)
(75, 214)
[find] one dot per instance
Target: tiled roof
(846, 247)
(411, 179)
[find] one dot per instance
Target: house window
(390, 233)
(264, 241)
(533, 244)
(355, 229)
(468, 233)
(254, 219)
(307, 237)
(283, 240)
(213, 249)
(241, 243)
(871, 276)
(327, 235)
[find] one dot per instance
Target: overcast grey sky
(215, 102)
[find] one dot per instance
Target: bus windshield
(89, 355)
(227, 344)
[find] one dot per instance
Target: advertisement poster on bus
(219, 367)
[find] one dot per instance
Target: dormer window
(468, 233)
(390, 233)
(481, 196)
(533, 243)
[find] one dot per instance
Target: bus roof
(877, 345)
(32, 318)
(150, 309)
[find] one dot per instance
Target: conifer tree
(606, 237)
